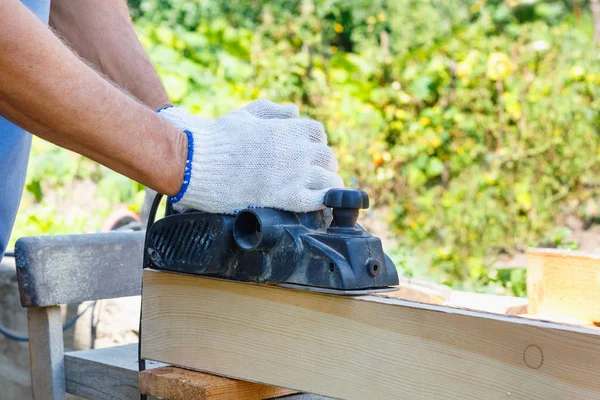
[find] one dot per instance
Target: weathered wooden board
(46, 351)
(563, 283)
(180, 384)
(105, 374)
(362, 348)
(54, 270)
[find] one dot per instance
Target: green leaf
(435, 167)
(35, 188)
(422, 87)
(414, 176)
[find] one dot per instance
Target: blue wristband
(188, 169)
(164, 108)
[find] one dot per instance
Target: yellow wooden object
(564, 283)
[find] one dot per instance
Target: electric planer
(324, 251)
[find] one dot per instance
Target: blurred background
(473, 125)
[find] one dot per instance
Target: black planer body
(324, 251)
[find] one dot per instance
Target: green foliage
(475, 122)
(513, 279)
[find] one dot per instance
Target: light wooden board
(491, 303)
(564, 283)
(180, 384)
(362, 348)
(560, 320)
(425, 292)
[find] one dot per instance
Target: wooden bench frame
(55, 270)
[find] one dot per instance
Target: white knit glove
(259, 156)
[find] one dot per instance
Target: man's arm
(49, 91)
(101, 32)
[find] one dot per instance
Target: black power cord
(151, 217)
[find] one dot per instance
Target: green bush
(475, 122)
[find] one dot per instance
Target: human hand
(262, 155)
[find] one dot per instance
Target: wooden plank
(55, 270)
(423, 292)
(46, 353)
(491, 303)
(560, 320)
(180, 384)
(363, 347)
(105, 374)
(564, 283)
(430, 293)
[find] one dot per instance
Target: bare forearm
(47, 90)
(101, 32)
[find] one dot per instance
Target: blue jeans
(15, 144)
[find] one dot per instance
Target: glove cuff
(188, 169)
(164, 108)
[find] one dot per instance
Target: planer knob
(345, 204)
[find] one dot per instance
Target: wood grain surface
(362, 347)
(563, 283)
(179, 384)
